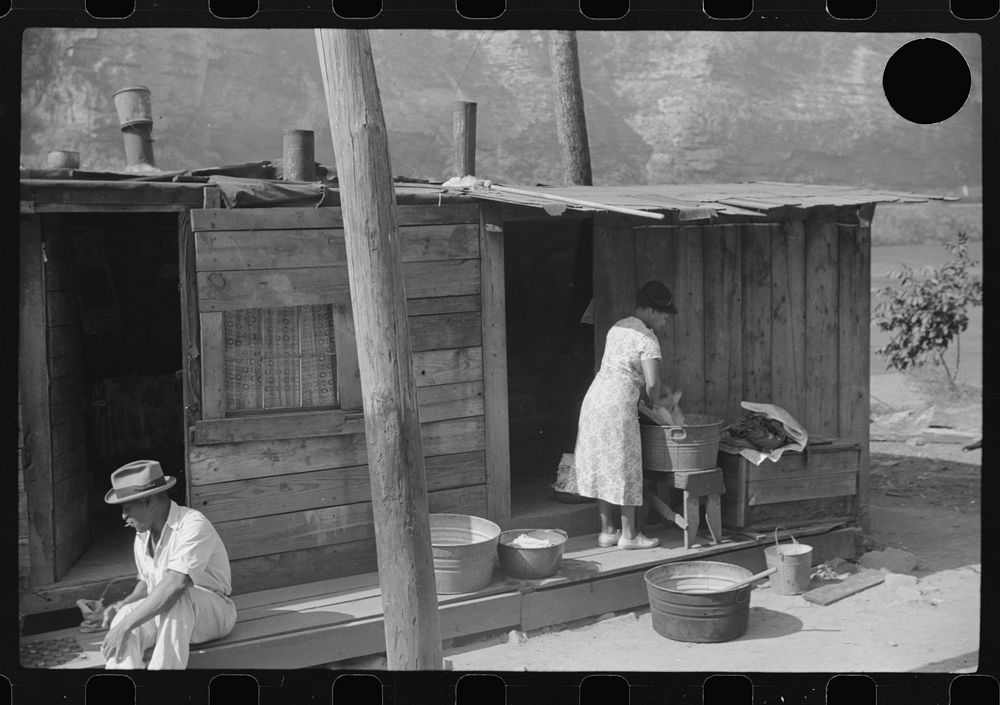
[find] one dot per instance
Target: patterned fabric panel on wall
(280, 358)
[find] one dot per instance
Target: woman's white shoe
(608, 540)
(639, 541)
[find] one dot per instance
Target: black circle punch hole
(480, 9)
(109, 9)
(926, 81)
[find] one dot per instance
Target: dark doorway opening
(550, 352)
(125, 277)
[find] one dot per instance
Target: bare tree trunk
(571, 122)
(392, 431)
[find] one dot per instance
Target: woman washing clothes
(608, 455)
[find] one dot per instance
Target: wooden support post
(692, 512)
(571, 121)
(464, 131)
(190, 323)
(33, 388)
(211, 197)
(857, 393)
(392, 430)
(495, 366)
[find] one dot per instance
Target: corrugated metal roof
(691, 201)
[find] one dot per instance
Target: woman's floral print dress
(608, 455)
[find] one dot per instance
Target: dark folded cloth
(755, 430)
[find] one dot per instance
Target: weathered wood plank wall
(614, 275)
(294, 503)
(822, 326)
(757, 312)
(774, 312)
(656, 257)
(788, 325)
(689, 329)
(723, 322)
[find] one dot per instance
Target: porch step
(575, 519)
(59, 599)
(316, 624)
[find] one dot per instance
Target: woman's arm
(651, 372)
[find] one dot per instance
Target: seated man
(182, 596)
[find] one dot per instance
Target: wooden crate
(818, 484)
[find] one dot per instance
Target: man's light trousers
(197, 616)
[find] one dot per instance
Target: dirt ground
(925, 499)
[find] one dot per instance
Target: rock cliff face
(662, 107)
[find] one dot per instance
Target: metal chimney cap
(131, 88)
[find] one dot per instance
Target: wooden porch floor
(318, 623)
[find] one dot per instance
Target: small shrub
(924, 314)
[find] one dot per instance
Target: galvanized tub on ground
(684, 608)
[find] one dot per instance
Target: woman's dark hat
(655, 295)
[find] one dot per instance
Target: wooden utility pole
(392, 430)
(464, 138)
(571, 123)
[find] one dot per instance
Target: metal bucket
(465, 550)
(529, 562)
(693, 446)
(683, 609)
(133, 105)
(793, 566)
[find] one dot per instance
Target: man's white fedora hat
(138, 479)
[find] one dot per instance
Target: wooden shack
(240, 318)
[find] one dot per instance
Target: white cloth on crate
(795, 432)
(189, 544)
(608, 453)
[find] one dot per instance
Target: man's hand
(109, 614)
(114, 641)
